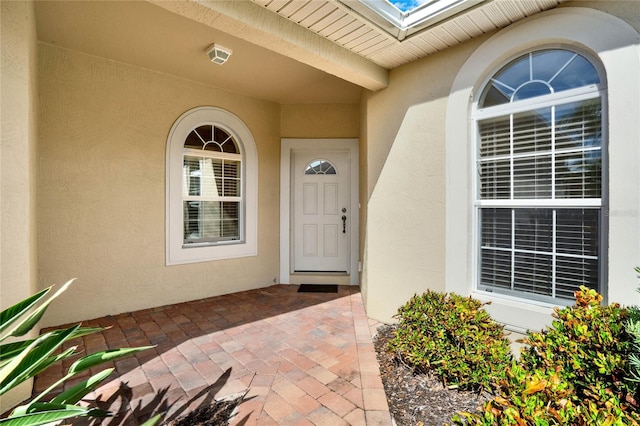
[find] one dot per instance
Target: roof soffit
(259, 26)
(357, 27)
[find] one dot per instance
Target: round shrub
(453, 337)
(575, 372)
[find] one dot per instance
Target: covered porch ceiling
(284, 51)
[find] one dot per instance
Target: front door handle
(344, 221)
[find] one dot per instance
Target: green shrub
(633, 328)
(571, 373)
(24, 359)
(454, 337)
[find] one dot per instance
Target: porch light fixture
(219, 54)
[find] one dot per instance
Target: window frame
(512, 108)
(177, 252)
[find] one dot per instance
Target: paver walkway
(301, 358)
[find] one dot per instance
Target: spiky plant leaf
(77, 392)
(8, 368)
(26, 365)
(45, 412)
(98, 358)
(41, 418)
(9, 350)
(28, 323)
(13, 313)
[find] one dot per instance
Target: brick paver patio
(301, 359)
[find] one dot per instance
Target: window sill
(206, 253)
(211, 244)
(516, 314)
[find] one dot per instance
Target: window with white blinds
(211, 186)
(539, 177)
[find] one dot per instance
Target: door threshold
(333, 273)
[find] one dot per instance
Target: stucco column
(18, 106)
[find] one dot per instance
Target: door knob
(344, 224)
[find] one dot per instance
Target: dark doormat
(318, 288)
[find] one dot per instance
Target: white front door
(321, 204)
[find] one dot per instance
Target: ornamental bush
(453, 337)
(574, 372)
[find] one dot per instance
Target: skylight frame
(402, 24)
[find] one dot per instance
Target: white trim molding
(617, 46)
(287, 148)
(176, 252)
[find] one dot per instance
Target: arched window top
(320, 167)
(208, 137)
(538, 73)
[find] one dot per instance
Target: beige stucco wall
(627, 10)
(405, 238)
(364, 192)
(18, 106)
(320, 121)
(101, 213)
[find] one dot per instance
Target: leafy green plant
(570, 373)
(454, 337)
(24, 359)
(633, 328)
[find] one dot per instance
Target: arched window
(211, 187)
(320, 167)
(538, 159)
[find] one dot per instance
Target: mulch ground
(416, 398)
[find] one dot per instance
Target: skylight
(402, 18)
(407, 5)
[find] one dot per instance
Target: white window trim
(176, 252)
(617, 49)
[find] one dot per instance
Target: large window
(539, 157)
(211, 188)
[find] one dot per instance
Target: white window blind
(212, 186)
(539, 181)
